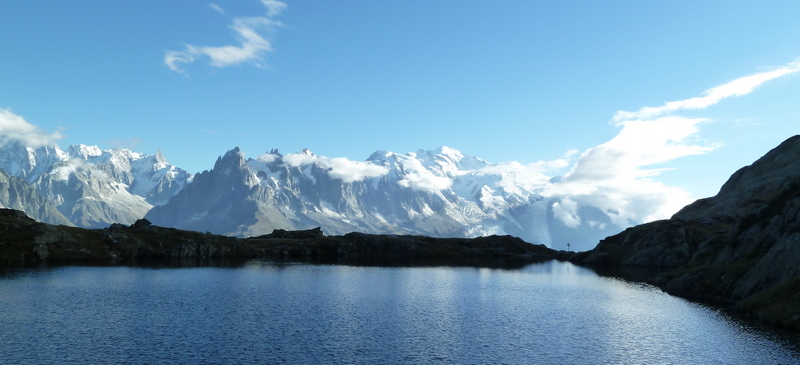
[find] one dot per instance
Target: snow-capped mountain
(93, 187)
(16, 193)
(440, 193)
(436, 193)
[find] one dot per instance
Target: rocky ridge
(740, 247)
(26, 241)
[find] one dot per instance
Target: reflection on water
(274, 312)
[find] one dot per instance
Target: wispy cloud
(738, 87)
(300, 159)
(273, 7)
(554, 165)
(15, 128)
(617, 177)
(217, 8)
(250, 32)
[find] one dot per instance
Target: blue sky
(539, 82)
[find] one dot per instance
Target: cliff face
(16, 193)
(741, 246)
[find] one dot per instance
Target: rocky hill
(741, 246)
(26, 241)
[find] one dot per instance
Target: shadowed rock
(741, 246)
(26, 241)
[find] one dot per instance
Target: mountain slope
(92, 187)
(16, 193)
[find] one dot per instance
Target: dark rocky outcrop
(25, 241)
(301, 234)
(740, 247)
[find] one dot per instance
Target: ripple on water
(277, 313)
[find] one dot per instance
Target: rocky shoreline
(740, 248)
(24, 241)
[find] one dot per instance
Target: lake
(299, 313)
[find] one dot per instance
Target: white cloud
(338, 167)
(639, 144)
(299, 159)
(350, 171)
(425, 181)
(273, 7)
(566, 211)
(15, 128)
(267, 158)
(173, 60)
(217, 8)
(554, 165)
(250, 34)
(618, 177)
(738, 87)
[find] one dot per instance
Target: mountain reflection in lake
(267, 312)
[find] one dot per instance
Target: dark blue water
(550, 313)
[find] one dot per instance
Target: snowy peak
(231, 159)
(231, 169)
(84, 151)
(29, 162)
(94, 187)
(440, 192)
(444, 157)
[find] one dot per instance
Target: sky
(640, 97)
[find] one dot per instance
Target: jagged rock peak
(232, 157)
(160, 159)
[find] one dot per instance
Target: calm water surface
(262, 312)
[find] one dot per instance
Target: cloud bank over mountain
(15, 128)
(619, 177)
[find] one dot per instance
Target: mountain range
(438, 193)
(90, 187)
